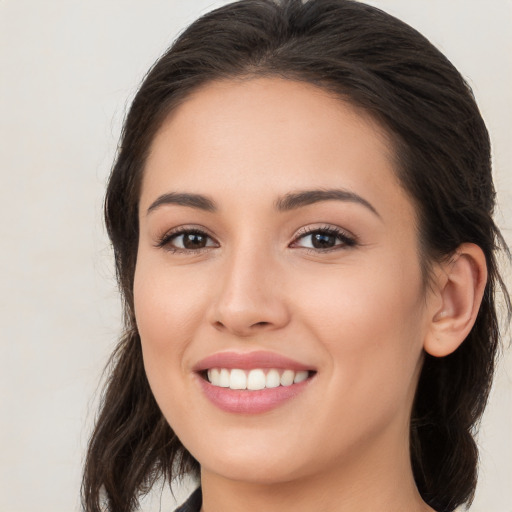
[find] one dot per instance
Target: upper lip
(248, 361)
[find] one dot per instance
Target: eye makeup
(192, 239)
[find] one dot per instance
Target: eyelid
(348, 239)
(164, 239)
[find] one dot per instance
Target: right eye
(186, 240)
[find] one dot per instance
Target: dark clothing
(194, 502)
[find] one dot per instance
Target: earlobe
(460, 286)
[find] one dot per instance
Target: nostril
(260, 324)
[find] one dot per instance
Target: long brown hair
(443, 160)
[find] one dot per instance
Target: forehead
(265, 136)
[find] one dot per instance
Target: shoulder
(194, 502)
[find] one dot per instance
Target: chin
(257, 470)
(257, 462)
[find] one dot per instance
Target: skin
(359, 314)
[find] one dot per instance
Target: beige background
(68, 69)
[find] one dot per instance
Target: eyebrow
(304, 198)
(184, 199)
(285, 203)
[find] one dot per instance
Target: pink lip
(250, 402)
(248, 361)
(244, 401)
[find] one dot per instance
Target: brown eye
(189, 240)
(194, 240)
(324, 239)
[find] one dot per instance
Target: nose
(251, 298)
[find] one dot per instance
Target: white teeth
(273, 379)
(238, 379)
(224, 378)
(287, 378)
(300, 376)
(213, 376)
(254, 379)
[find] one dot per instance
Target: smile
(252, 383)
(256, 379)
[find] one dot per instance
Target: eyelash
(347, 240)
(165, 241)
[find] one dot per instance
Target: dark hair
(443, 160)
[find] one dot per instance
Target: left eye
(324, 239)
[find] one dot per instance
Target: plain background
(68, 70)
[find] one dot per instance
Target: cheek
(167, 310)
(167, 303)
(371, 325)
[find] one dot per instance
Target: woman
(301, 214)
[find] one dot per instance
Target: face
(278, 251)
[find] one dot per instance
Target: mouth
(255, 379)
(252, 382)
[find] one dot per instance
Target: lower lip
(251, 402)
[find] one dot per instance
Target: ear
(458, 289)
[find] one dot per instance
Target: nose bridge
(249, 298)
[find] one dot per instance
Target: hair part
(442, 150)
